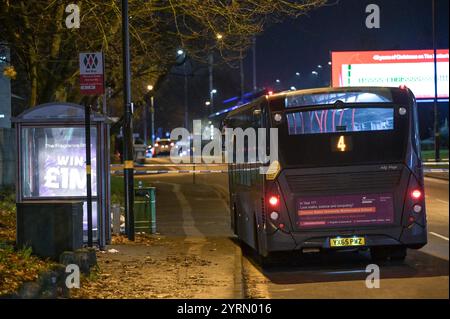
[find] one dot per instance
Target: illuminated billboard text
(413, 68)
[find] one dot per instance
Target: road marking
(343, 272)
(435, 180)
(442, 201)
(435, 163)
(438, 235)
(189, 227)
(436, 170)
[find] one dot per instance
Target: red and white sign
(91, 73)
(413, 68)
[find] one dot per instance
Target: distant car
(149, 151)
(183, 148)
(163, 147)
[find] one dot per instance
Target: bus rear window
(340, 120)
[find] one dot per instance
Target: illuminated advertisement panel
(54, 165)
(413, 68)
(56, 161)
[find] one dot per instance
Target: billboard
(413, 68)
(62, 163)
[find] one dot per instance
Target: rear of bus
(350, 172)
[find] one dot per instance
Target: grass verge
(16, 265)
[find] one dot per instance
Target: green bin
(145, 210)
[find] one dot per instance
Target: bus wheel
(235, 221)
(266, 261)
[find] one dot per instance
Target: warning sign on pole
(92, 73)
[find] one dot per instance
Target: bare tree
(46, 52)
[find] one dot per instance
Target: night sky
(299, 45)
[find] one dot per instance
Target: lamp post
(219, 38)
(182, 59)
(255, 86)
(128, 128)
(211, 83)
(437, 139)
(152, 114)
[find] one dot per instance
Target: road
(193, 219)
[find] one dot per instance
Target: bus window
(340, 120)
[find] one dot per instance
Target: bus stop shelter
(51, 156)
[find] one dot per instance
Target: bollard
(116, 219)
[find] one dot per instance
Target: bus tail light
(417, 208)
(414, 204)
(274, 216)
(275, 207)
(416, 194)
(274, 201)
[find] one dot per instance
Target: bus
(348, 177)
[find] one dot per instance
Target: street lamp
(297, 73)
(211, 97)
(315, 73)
(207, 103)
(150, 99)
(219, 36)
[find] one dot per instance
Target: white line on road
(442, 201)
(435, 180)
(186, 211)
(343, 272)
(438, 235)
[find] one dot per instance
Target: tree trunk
(34, 84)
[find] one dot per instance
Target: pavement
(194, 255)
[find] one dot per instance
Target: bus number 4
(341, 144)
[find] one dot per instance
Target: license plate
(347, 242)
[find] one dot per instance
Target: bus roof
(329, 95)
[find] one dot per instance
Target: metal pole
(144, 118)
(437, 150)
(186, 107)
(128, 126)
(211, 81)
(87, 122)
(152, 119)
(105, 110)
(241, 69)
(255, 87)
